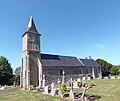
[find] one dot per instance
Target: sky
(79, 28)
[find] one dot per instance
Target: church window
(61, 71)
(80, 71)
(34, 46)
(87, 70)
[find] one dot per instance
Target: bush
(64, 88)
(115, 70)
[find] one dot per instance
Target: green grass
(28, 96)
(109, 90)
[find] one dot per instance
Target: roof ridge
(80, 61)
(58, 55)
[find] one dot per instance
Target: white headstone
(83, 78)
(112, 77)
(88, 78)
(60, 93)
(71, 95)
(2, 88)
(53, 91)
(52, 85)
(79, 80)
(106, 78)
(75, 84)
(118, 77)
(46, 90)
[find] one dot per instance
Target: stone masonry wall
(52, 74)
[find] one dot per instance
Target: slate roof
(31, 27)
(57, 60)
(89, 63)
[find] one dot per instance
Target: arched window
(61, 71)
(80, 71)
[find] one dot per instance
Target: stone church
(38, 68)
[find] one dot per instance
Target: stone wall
(52, 74)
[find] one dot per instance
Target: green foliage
(17, 71)
(17, 76)
(115, 70)
(6, 72)
(64, 88)
(105, 67)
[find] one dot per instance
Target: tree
(115, 70)
(6, 72)
(17, 76)
(105, 67)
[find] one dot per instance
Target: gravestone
(59, 83)
(60, 93)
(88, 78)
(44, 81)
(53, 91)
(29, 88)
(63, 78)
(79, 80)
(112, 77)
(52, 85)
(46, 89)
(71, 95)
(83, 78)
(118, 77)
(71, 81)
(106, 78)
(75, 84)
(2, 88)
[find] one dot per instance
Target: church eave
(31, 33)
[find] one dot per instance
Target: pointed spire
(31, 26)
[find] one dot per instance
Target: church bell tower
(31, 68)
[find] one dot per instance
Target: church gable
(89, 63)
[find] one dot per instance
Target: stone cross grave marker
(71, 81)
(43, 81)
(60, 91)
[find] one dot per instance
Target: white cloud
(100, 46)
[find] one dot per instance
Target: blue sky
(69, 27)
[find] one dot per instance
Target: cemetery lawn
(109, 90)
(22, 95)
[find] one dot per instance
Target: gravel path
(9, 90)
